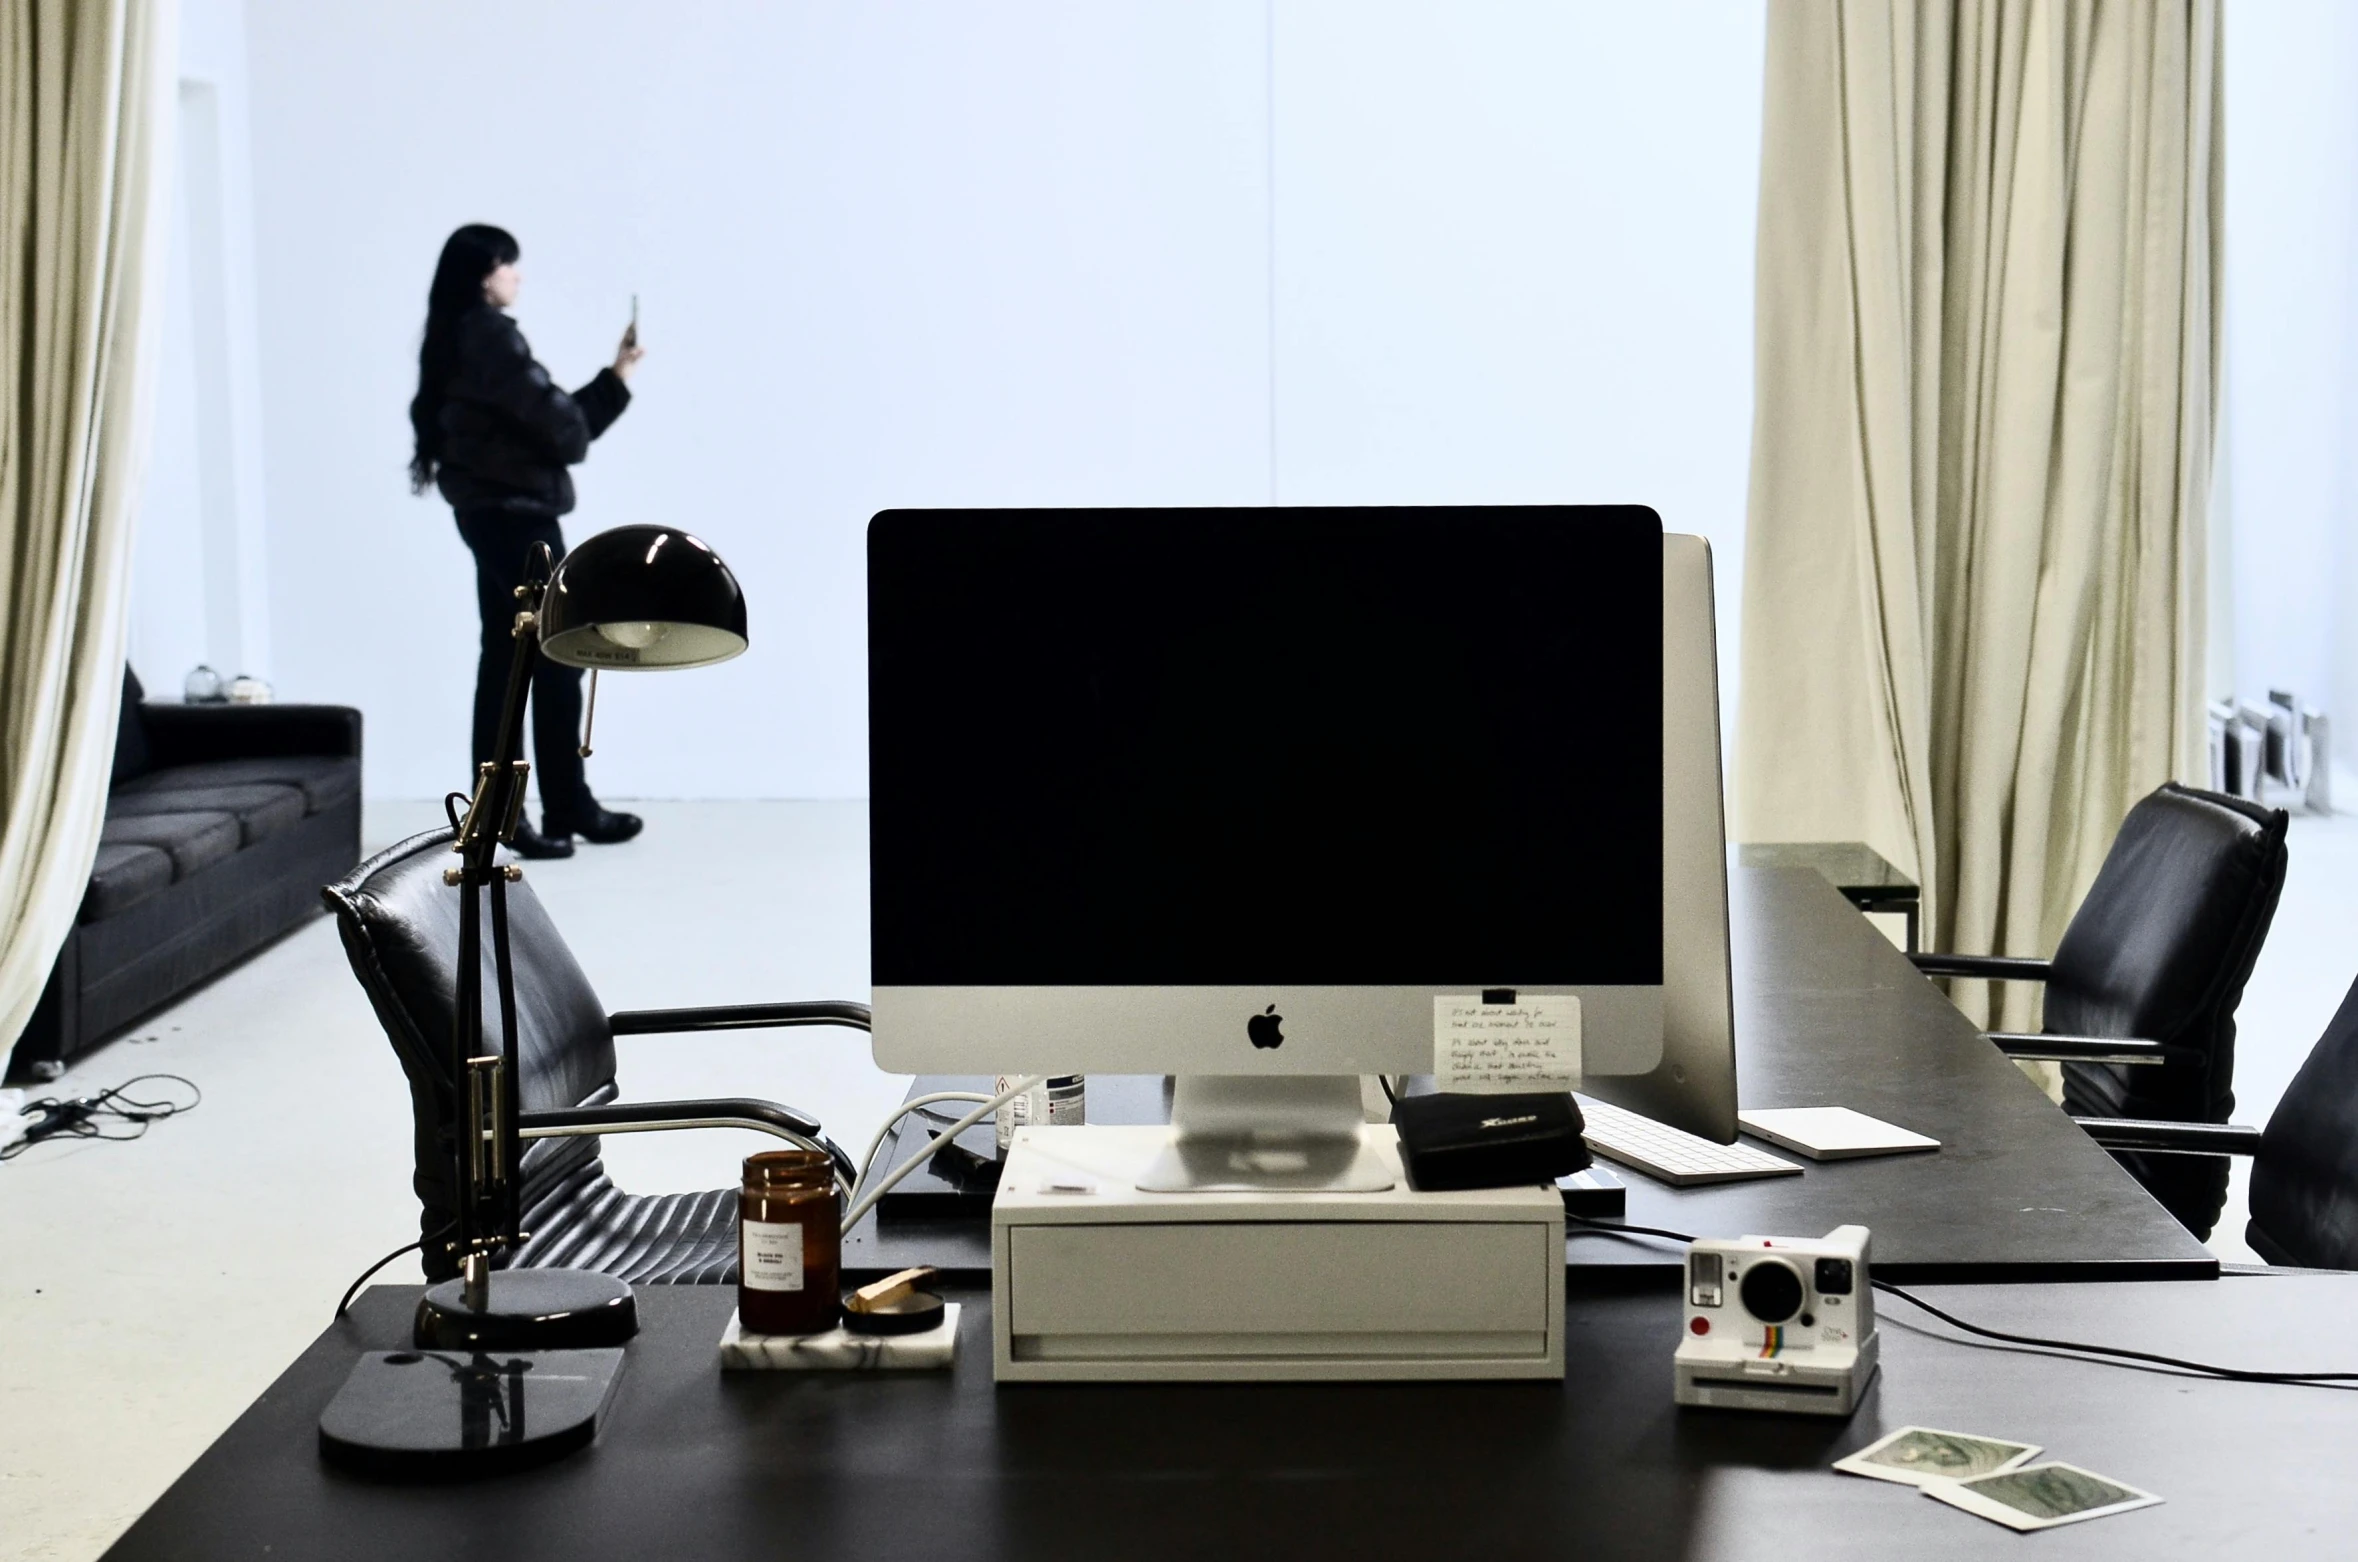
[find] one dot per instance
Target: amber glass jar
(789, 1245)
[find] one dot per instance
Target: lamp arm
(489, 1186)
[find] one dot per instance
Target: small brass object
(890, 1289)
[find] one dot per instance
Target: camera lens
(1771, 1290)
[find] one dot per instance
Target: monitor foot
(1240, 1133)
(1245, 1166)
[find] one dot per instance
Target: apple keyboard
(1682, 1159)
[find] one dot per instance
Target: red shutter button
(1699, 1325)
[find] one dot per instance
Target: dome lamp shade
(640, 598)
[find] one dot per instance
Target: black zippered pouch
(1454, 1141)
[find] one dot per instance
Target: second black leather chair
(2154, 963)
(2304, 1198)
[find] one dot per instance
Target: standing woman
(495, 435)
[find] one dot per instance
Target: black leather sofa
(222, 823)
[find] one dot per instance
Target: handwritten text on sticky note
(1499, 1048)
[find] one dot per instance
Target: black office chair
(400, 924)
(2304, 1163)
(2142, 991)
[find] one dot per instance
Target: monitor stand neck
(1267, 1133)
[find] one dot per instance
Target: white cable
(868, 1161)
(852, 1217)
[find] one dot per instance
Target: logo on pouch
(1262, 1028)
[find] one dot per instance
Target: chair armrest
(625, 1116)
(639, 1117)
(1994, 968)
(191, 734)
(739, 1016)
(2130, 1133)
(2087, 1049)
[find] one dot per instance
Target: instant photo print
(2041, 1496)
(1920, 1455)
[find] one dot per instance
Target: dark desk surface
(693, 1463)
(1853, 867)
(1828, 1013)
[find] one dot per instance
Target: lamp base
(529, 1309)
(436, 1415)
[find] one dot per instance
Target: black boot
(531, 843)
(600, 826)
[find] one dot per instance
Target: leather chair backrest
(2162, 947)
(2304, 1196)
(400, 925)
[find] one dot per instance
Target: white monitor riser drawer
(1118, 1284)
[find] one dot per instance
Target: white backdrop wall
(200, 584)
(2291, 500)
(1179, 252)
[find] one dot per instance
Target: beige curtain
(1987, 340)
(86, 98)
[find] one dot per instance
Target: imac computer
(1236, 794)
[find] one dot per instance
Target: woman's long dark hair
(468, 256)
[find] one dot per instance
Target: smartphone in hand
(630, 336)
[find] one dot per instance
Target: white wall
(1514, 259)
(2291, 495)
(200, 581)
(951, 254)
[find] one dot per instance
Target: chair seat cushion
(323, 780)
(644, 1238)
(194, 841)
(261, 809)
(124, 875)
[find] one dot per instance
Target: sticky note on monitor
(1494, 1044)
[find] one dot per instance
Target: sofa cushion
(192, 840)
(261, 811)
(124, 875)
(324, 780)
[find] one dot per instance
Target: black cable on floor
(86, 1117)
(2108, 1354)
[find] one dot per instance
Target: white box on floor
(1093, 1279)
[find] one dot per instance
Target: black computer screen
(1288, 746)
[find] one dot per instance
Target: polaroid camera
(1779, 1323)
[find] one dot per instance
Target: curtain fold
(1987, 337)
(86, 98)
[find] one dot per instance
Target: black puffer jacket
(508, 430)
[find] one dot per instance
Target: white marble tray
(840, 1350)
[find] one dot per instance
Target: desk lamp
(635, 598)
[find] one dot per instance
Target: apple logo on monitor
(1262, 1028)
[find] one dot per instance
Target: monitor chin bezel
(1205, 1029)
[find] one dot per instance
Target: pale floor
(150, 1291)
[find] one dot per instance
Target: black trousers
(502, 542)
